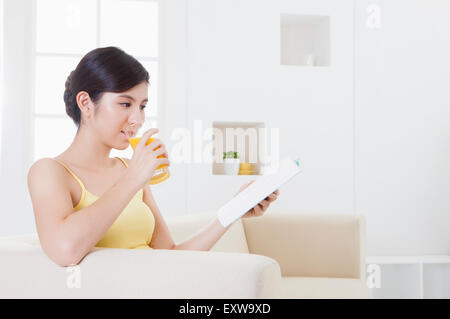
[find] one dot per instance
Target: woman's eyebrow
(132, 98)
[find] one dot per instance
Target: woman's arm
(206, 237)
(211, 233)
(162, 239)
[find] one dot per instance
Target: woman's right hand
(145, 159)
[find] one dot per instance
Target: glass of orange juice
(162, 171)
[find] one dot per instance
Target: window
(68, 29)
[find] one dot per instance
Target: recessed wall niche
(246, 138)
(304, 40)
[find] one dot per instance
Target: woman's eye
(128, 105)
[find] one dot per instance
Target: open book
(258, 191)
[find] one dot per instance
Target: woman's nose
(135, 125)
(136, 119)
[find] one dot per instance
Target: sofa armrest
(26, 272)
(310, 245)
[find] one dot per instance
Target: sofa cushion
(184, 226)
(323, 288)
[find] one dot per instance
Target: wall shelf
(246, 138)
(418, 277)
(304, 40)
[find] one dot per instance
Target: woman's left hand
(262, 206)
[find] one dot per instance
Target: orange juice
(162, 171)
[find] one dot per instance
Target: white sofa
(278, 255)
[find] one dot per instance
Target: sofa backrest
(184, 226)
(30, 239)
(310, 245)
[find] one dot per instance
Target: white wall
(171, 195)
(403, 126)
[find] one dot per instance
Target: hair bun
(68, 93)
(69, 80)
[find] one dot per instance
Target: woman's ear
(85, 104)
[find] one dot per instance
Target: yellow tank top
(132, 229)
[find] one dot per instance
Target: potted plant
(231, 163)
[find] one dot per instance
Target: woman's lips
(128, 135)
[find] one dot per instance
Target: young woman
(83, 198)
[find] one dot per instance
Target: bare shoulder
(46, 168)
(46, 180)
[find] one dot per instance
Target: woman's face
(116, 111)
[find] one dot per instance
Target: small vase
(231, 166)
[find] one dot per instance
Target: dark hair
(107, 69)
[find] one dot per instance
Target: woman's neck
(89, 153)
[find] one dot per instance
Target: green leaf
(230, 154)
